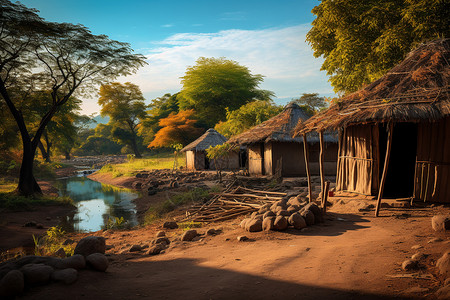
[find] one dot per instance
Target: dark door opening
(243, 158)
(206, 163)
(263, 167)
(400, 175)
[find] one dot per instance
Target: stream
(96, 203)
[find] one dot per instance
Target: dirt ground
(350, 256)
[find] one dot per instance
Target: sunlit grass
(13, 201)
(132, 167)
(7, 186)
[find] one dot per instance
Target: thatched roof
(415, 90)
(278, 128)
(209, 138)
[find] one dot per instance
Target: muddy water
(96, 203)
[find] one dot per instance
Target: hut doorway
(400, 173)
(207, 164)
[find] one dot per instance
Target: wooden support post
(305, 148)
(385, 168)
(322, 175)
(325, 197)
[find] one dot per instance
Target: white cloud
(280, 54)
(167, 25)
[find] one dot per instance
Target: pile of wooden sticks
(232, 202)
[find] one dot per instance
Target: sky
(267, 36)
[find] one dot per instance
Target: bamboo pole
(386, 164)
(325, 197)
(322, 175)
(305, 148)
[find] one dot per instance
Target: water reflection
(96, 203)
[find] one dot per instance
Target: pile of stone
(295, 212)
(30, 271)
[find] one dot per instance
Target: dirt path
(348, 257)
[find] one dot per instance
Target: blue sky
(268, 37)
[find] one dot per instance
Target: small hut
(273, 150)
(394, 139)
(196, 158)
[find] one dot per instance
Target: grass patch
(7, 186)
(133, 166)
(190, 225)
(195, 195)
(49, 244)
(11, 200)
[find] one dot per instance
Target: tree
(361, 40)
(62, 58)
(219, 154)
(125, 106)
(100, 142)
(311, 103)
(247, 116)
(176, 129)
(214, 84)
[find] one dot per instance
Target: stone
(30, 224)
(318, 217)
(12, 284)
(97, 261)
(76, 261)
(161, 240)
(67, 276)
(283, 213)
(189, 235)
(443, 293)
(211, 231)
(60, 253)
(170, 225)
(254, 225)
(135, 248)
(91, 244)
(416, 247)
(443, 264)
(309, 217)
(244, 222)
(267, 223)
(295, 201)
(280, 223)
(242, 238)
(39, 226)
(155, 249)
(36, 273)
(435, 240)
(151, 192)
(293, 208)
(258, 217)
(160, 234)
(268, 214)
(440, 222)
(418, 256)
(297, 221)
(409, 265)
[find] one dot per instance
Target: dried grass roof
(278, 128)
(209, 138)
(415, 90)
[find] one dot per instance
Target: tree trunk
(27, 183)
(43, 152)
(49, 145)
(137, 154)
(67, 154)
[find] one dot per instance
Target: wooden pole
(322, 175)
(325, 197)
(305, 148)
(386, 164)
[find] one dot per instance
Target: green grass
(133, 166)
(196, 195)
(13, 201)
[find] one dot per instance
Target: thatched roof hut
(196, 155)
(273, 149)
(401, 120)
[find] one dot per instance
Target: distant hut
(196, 158)
(394, 137)
(272, 149)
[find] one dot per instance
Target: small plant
(131, 158)
(115, 223)
(51, 242)
(189, 225)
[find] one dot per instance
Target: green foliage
(115, 223)
(189, 225)
(214, 84)
(361, 40)
(51, 243)
(311, 103)
(247, 116)
(13, 201)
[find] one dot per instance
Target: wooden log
(385, 168)
(305, 148)
(325, 197)
(250, 196)
(322, 175)
(263, 192)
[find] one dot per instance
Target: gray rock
(443, 264)
(280, 223)
(91, 244)
(308, 216)
(67, 276)
(155, 249)
(12, 284)
(97, 261)
(269, 214)
(161, 240)
(409, 265)
(267, 223)
(36, 273)
(170, 225)
(242, 238)
(254, 225)
(135, 248)
(76, 261)
(297, 221)
(160, 234)
(440, 222)
(189, 235)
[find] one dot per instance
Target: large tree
(125, 106)
(59, 57)
(361, 40)
(311, 102)
(214, 84)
